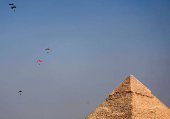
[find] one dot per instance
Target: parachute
(39, 61)
(20, 92)
(13, 7)
(47, 49)
(11, 4)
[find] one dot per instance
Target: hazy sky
(95, 45)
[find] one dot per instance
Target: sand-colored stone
(131, 100)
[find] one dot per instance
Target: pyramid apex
(133, 85)
(130, 76)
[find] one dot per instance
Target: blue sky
(95, 45)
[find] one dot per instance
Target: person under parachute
(13, 8)
(39, 61)
(20, 92)
(47, 49)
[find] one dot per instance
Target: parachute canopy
(47, 48)
(39, 61)
(11, 4)
(13, 7)
(20, 91)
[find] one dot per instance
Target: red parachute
(47, 48)
(39, 61)
(20, 92)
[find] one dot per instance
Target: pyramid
(131, 100)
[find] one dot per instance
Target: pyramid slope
(130, 100)
(144, 107)
(115, 106)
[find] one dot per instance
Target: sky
(95, 45)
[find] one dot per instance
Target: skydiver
(20, 94)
